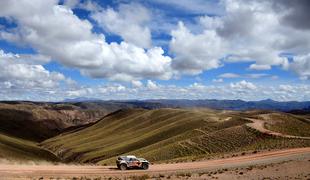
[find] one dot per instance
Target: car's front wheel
(123, 167)
(145, 166)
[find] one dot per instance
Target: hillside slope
(36, 122)
(24, 124)
(18, 150)
(165, 134)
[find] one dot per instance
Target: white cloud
(53, 30)
(130, 63)
(88, 5)
(129, 22)
(18, 73)
(260, 38)
(136, 84)
(240, 90)
(195, 53)
(71, 3)
(113, 88)
(211, 22)
(260, 67)
(151, 85)
(301, 66)
(287, 88)
(47, 27)
(242, 85)
(229, 75)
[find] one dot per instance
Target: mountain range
(267, 104)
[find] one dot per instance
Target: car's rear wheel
(145, 166)
(123, 167)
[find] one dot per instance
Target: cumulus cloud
(129, 21)
(18, 73)
(243, 85)
(301, 66)
(131, 62)
(287, 88)
(151, 85)
(53, 30)
(260, 67)
(239, 90)
(195, 53)
(260, 38)
(136, 84)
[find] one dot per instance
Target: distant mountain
(267, 104)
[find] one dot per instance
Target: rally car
(128, 162)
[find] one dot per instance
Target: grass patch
(289, 124)
(17, 149)
(164, 135)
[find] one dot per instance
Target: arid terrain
(281, 164)
(196, 143)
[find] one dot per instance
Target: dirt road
(259, 125)
(14, 171)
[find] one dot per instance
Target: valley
(64, 134)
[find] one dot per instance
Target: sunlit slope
(287, 123)
(163, 134)
(20, 150)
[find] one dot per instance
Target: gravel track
(27, 171)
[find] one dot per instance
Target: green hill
(20, 150)
(287, 123)
(165, 135)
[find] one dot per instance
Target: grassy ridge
(288, 124)
(124, 131)
(16, 149)
(164, 134)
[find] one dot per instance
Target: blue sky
(229, 49)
